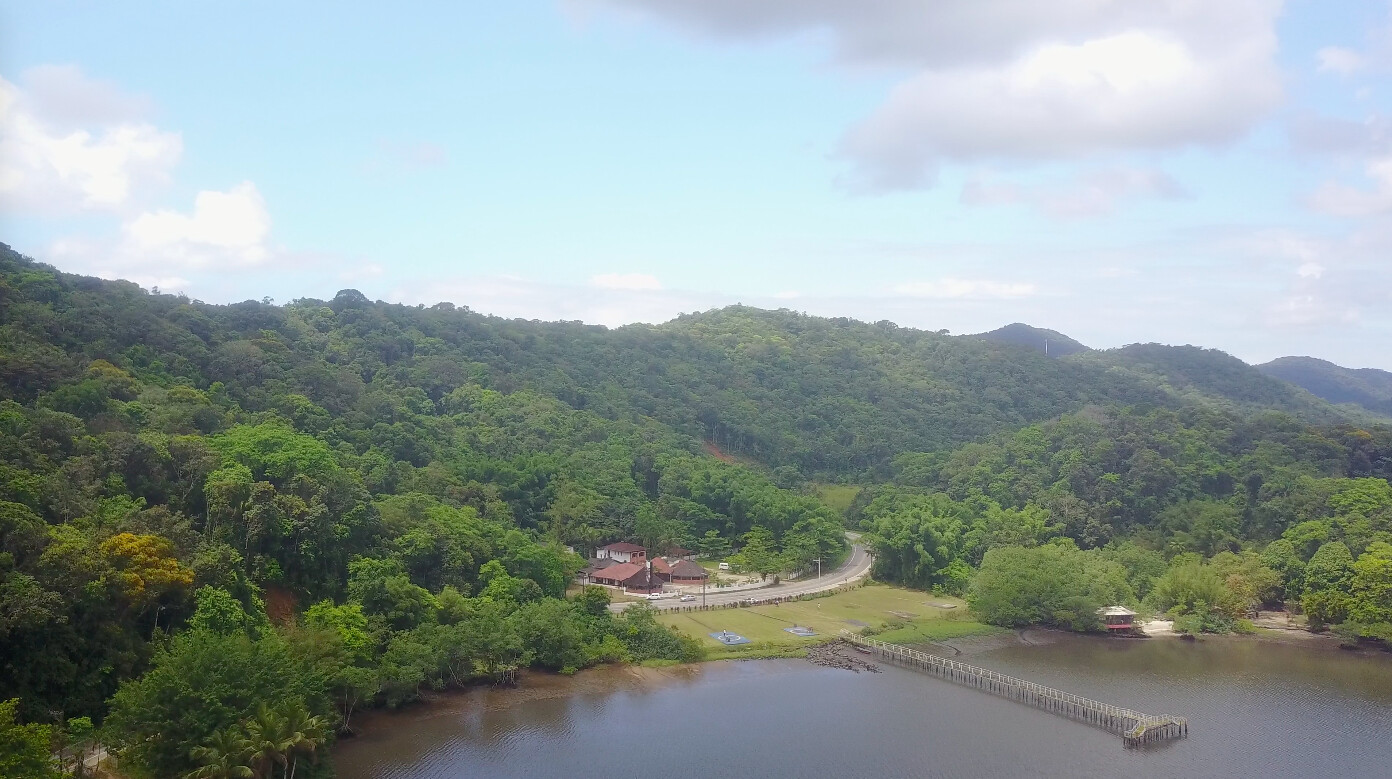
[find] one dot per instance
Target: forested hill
(1051, 342)
(1367, 387)
(1211, 377)
(833, 398)
(217, 518)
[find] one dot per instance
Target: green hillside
(1369, 388)
(1050, 342)
(326, 505)
(1215, 378)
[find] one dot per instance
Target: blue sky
(1125, 170)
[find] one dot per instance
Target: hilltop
(1368, 388)
(1050, 342)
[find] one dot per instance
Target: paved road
(856, 566)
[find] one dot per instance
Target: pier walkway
(1134, 727)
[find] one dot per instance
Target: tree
(759, 553)
(202, 684)
(1192, 588)
(269, 740)
(1046, 585)
(921, 545)
(1327, 580)
(146, 567)
(307, 734)
(1370, 591)
(24, 749)
(593, 600)
(714, 546)
(219, 612)
(226, 755)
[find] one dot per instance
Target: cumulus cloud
(227, 229)
(630, 281)
(1095, 193)
(1019, 79)
(69, 144)
(224, 232)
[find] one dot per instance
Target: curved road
(857, 565)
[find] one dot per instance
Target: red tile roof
(644, 580)
(624, 546)
(685, 569)
(661, 566)
(616, 573)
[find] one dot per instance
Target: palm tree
(225, 756)
(307, 735)
(271, 740)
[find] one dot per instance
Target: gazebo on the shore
(1116, 618)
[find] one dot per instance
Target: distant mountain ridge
(1369, 388)
(1217, 378)
(1050, 342)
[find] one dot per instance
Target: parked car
(724, 566)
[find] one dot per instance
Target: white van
(724, 566)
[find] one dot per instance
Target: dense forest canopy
(238, 521)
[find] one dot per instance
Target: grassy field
(838, 496)
(909, 615)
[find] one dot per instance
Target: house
(644, 581)
(687, 572)
(614, 575)
(597, 564)
(632, 577)
(661, 567)
(677, 553)
(1116, 617)
(623, 551)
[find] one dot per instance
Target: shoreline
(372, 725)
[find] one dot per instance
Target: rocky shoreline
(839, 654)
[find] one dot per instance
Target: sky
(1174, 171)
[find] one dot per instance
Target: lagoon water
(1255, 709)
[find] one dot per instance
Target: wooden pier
(1134, 727)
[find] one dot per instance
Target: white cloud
(1343, 200)
(1336, 59)
(967, 289)
(1094, 193)
(69, 144)
(1310, 270)
(630, 281)
(1020, 79)
(226, 232)
(1127, 91)
(225, 228)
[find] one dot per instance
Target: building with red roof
(622, 551)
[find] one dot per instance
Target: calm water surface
(1255, 709)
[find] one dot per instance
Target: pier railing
(1133, 726)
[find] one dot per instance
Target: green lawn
(909, 613)
(837, 496)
